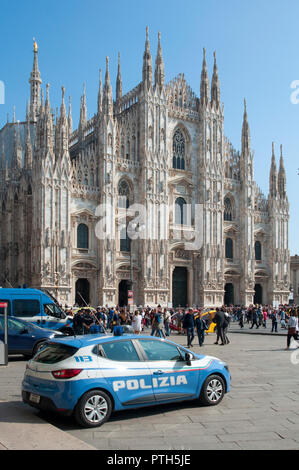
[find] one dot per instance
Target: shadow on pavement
(67, 423)
(16, 412)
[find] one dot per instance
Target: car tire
(93, 409)
(212, 391)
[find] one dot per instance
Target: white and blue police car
(91, 376)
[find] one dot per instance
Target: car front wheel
(212, 391)
(93, 409)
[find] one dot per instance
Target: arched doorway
(82, 292)
(180, 287)
(258, 294)
(123, 287)
(229, 294)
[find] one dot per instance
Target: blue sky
(257, 53)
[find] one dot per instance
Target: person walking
(167, 320)
(241, 317)
(283, 319)
(265, 314)
(188, 326)
(220, 321)
(137, 322)
(225, 327)
(157, 324)
(292, 328)
(115, 321)
(254, 319)
(274, 318)
(201, 328)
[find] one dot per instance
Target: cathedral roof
(180, 93)
(7, 136)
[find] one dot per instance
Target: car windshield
(53, 353)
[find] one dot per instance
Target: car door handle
(158, 372)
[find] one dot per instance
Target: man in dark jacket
(222, 324)
(201, 327)
(188, 325)
(78, 322)
(254, 319)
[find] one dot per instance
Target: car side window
(123, 351)
(15, 325)
(160, 351)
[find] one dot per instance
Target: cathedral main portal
(82, 292)
(180, 287)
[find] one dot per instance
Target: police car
(91, 376)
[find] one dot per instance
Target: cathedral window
(228, 209)
(229, 248)
(258, 251)
(125, 241)
(180, 211)
(123, 194)
(133, 147)
(179, 149)
(128, 150)
(82, 237)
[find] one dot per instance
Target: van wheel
(212, 391)
(93, 409)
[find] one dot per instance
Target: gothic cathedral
(158, 147)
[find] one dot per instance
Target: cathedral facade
(71, 200)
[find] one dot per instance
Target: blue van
(37, 307)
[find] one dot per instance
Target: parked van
(37, 307)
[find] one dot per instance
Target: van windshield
(53, 310)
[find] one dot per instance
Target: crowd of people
(160, 321)
(260, 316)
(188, 321)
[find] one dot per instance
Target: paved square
(260, 412)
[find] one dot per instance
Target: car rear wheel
(93, 409)
(212, 391)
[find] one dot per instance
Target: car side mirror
(24, 331)
(188, 358)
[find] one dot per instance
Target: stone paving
(260, 412)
